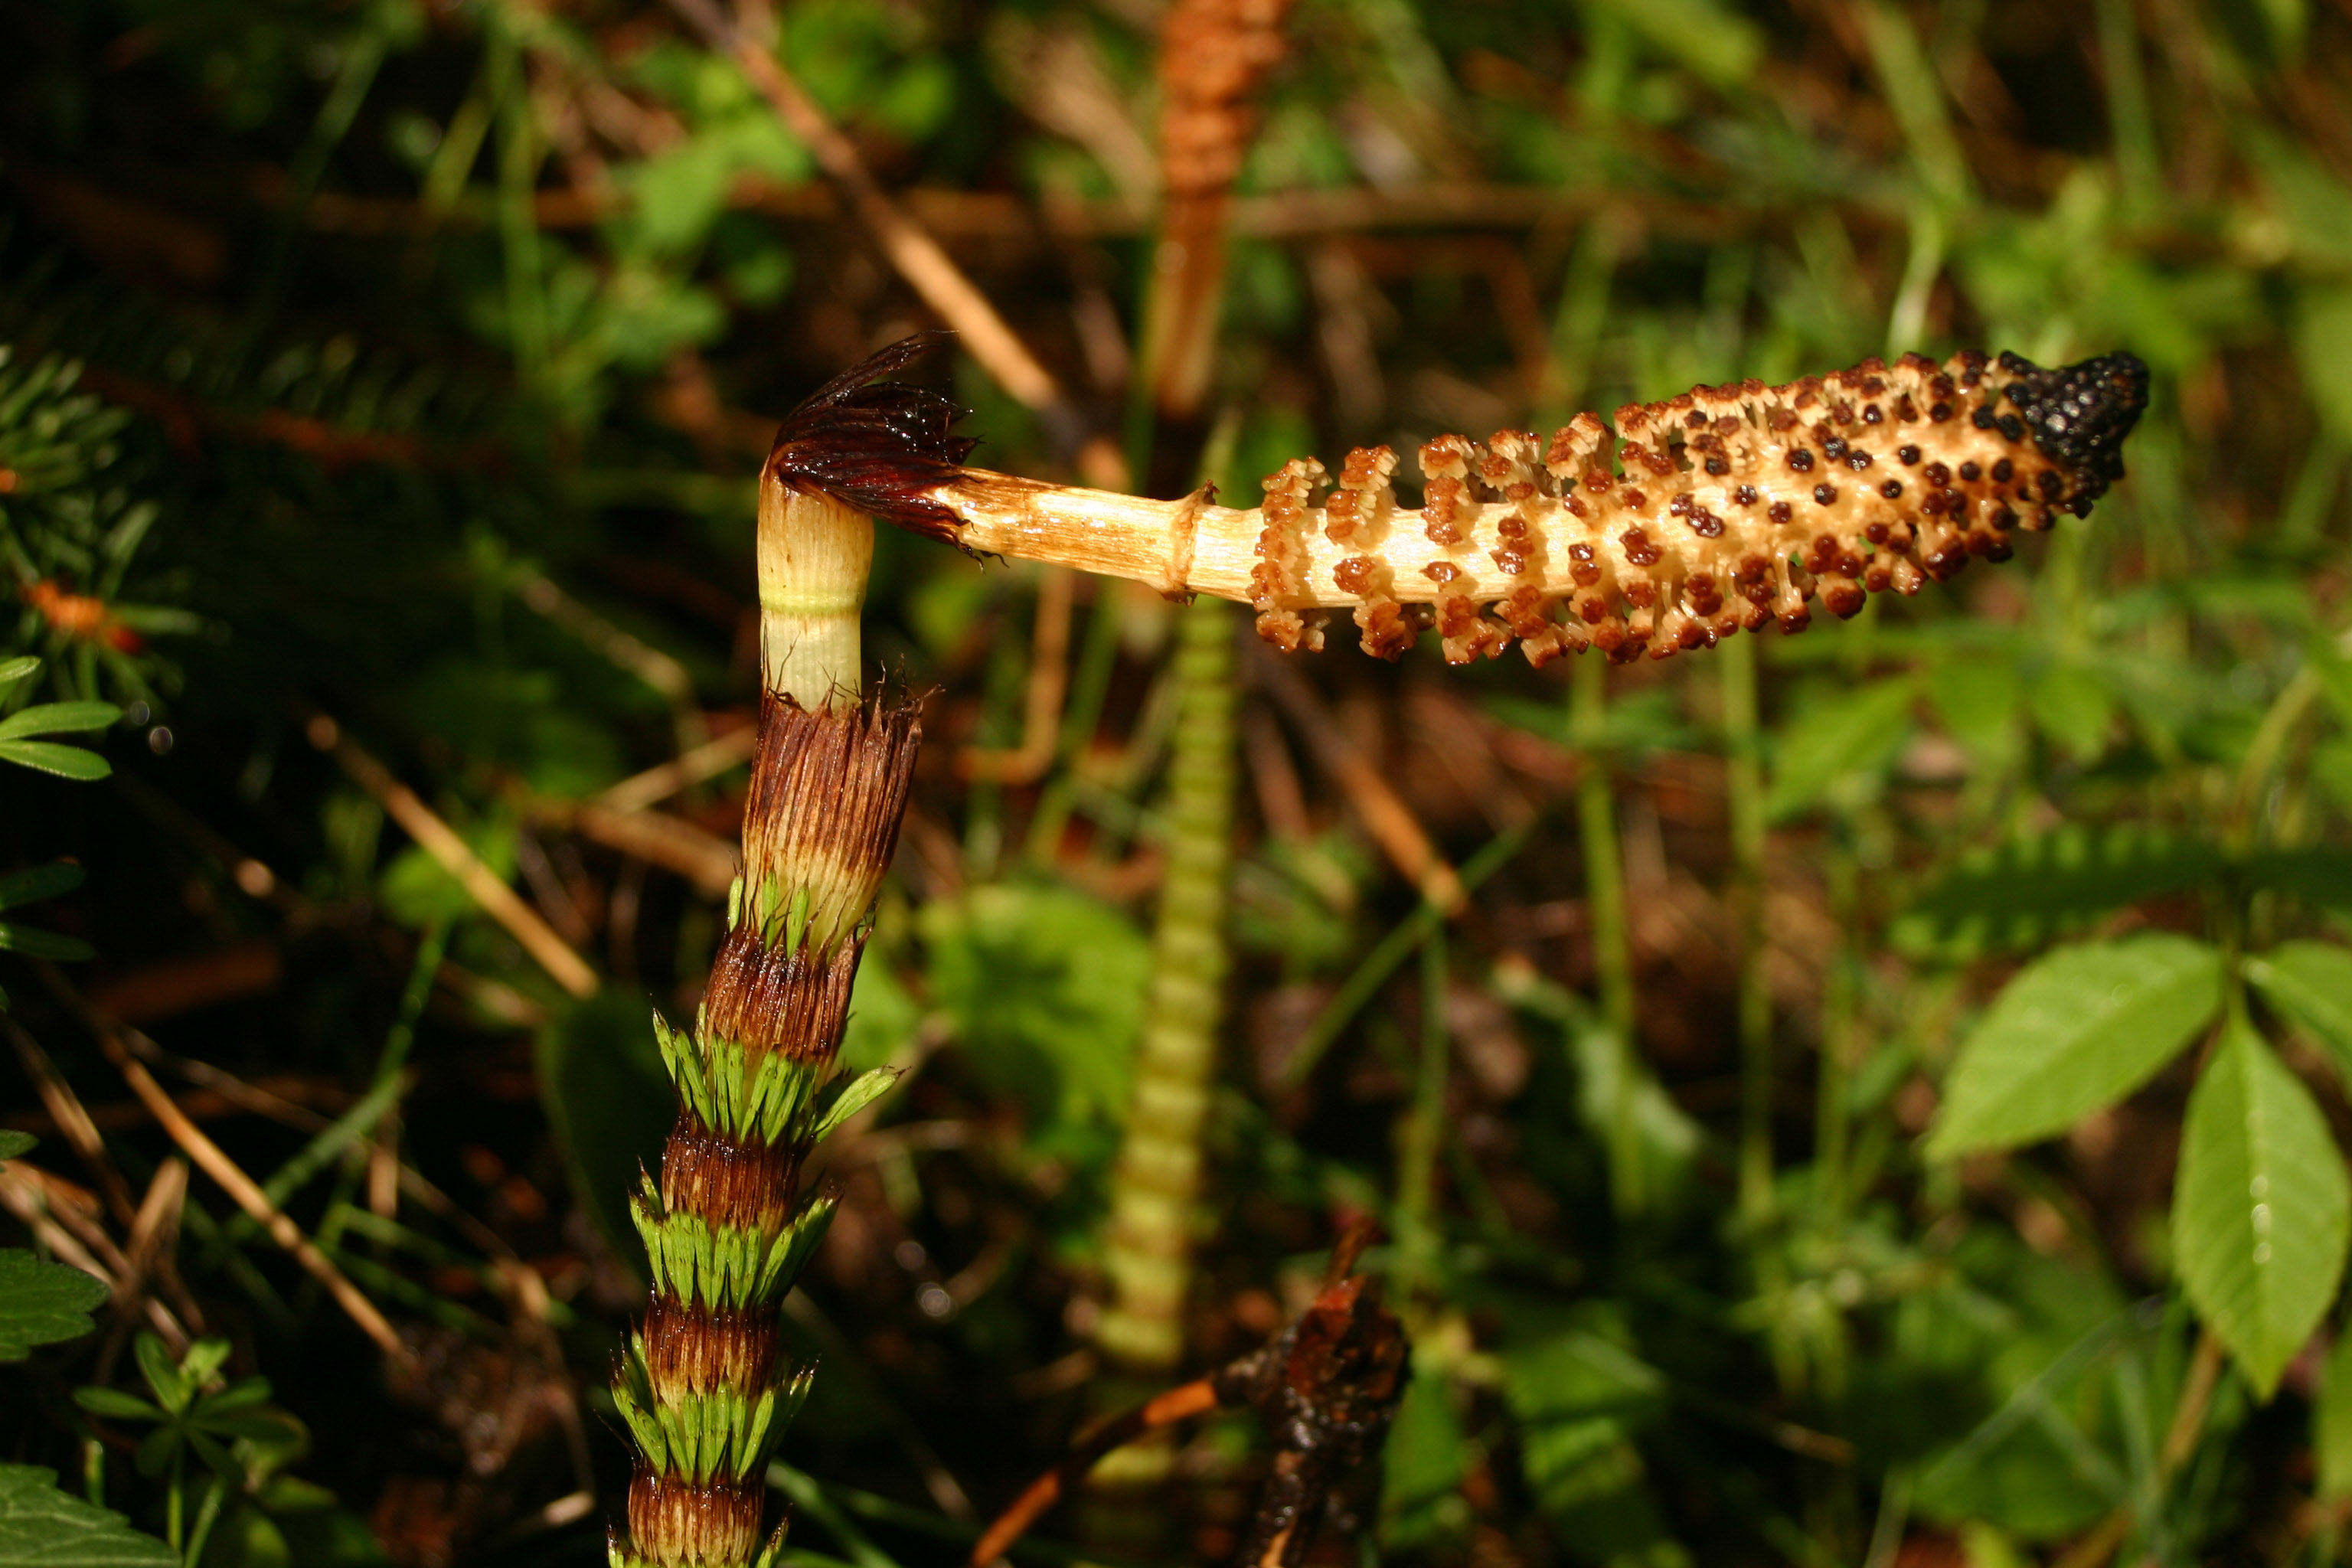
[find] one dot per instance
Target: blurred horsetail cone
(729, 1227)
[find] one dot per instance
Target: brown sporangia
(1727, 509)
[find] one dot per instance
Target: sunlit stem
(814, 556)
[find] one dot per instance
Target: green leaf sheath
(728, 1227)
(2074, 1031)
(2261, 1208)
(1157, 1179)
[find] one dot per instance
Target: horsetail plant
(1727, 509)
(729, 1225)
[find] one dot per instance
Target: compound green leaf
(2022, 894)
(41, 1303)
(2074, 1031)
(2310, 983)
(39, 1524)
(2262, 1210)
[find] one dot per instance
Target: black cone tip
(2080, 414)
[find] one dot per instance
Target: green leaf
(117, 1406)
(66, 762)
(39, 1524)
(1827, 753)
(58, 719)
(16, 669)
(1046, 988)
(2261, 1209)
(1577, 1396)
(2070, 706)
(49, 945)
(35, 883)
(2023, 893)
(42, 1303)
(2310, 983)
(856, 1096)
(2322, 340)
(2331, 1422)
(2076, 1030)
(1423, 1465)
(13, 1144)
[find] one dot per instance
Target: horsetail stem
(1157, 1178)
(729, 1225)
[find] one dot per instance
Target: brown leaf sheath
(829, 791)
(1703, 515)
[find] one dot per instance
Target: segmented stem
(1156, 1181)
(729, 1224)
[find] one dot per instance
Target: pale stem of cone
(814, 555)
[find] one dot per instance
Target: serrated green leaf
(35, 883)
(13, 1143)
(2310, 983)
(48, 757)
(2262, 1210)
(1832, 747)
(2023, 893)
(42, 1303)
(49, 945)
(58, 719)
(39, 1524)
(2076, 1030)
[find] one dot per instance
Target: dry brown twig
(231, 1177)
(919, 257)
(1049, 679)
(454, 855)
(1326, 1386)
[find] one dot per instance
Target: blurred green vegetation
(393, 372)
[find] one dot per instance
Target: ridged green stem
(1156, 1182)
